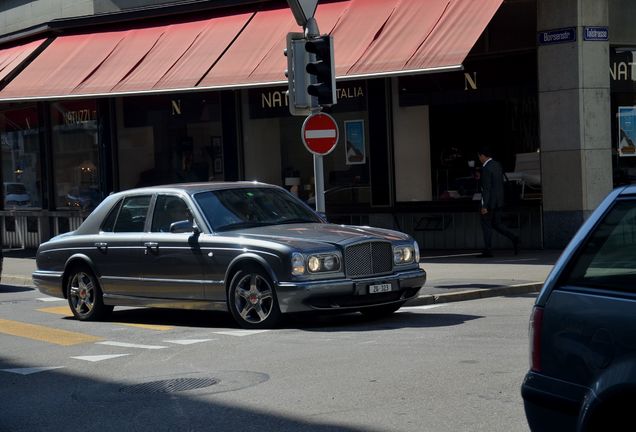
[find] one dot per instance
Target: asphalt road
(450, 367)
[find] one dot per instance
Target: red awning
(11, 58)
(372, 38)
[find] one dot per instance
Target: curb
(430, 299)
(17, 281)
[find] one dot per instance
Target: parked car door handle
(150, 246)
(102, 246)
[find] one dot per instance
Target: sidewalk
(451, 276)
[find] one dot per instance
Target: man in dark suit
(492, 200)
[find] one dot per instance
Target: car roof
(192, 188)
(629, 190)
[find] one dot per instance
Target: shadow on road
(14, 289)
(66, 401)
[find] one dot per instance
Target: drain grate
(170, 386)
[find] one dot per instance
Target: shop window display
(163, 139)
(75, 149)
(21, 174)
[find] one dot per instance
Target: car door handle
(151, 246)
(101, 246)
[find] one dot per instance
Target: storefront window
(19, 132)
(275, 153)
(169, 139)
(623, 101)
(75, 150)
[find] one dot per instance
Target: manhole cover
(170, 386)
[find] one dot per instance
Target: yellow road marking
(65, 311)
(148, 326)
(44, 334)
(58, 310)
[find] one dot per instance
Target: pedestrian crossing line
(50, 299)
(130, 345)
(66, 312)
(45, 334)
(240, 333)
(98, 358)
(31, 370)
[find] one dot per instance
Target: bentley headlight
(314, 264)
(323, 263)
(403, 254)
(298, 264)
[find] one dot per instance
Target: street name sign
(320, 134)
(563, 35)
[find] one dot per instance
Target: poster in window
(354, 144)
(627, 131)
(217, 154)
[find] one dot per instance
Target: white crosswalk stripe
(240, 332)
(97, 358)
(188, 341)
(130, 345)
(50, 299)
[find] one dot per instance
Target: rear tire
(85, 296)
(252, 299)
(375, 312)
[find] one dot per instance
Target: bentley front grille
(369, 259)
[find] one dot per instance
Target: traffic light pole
(311, 31)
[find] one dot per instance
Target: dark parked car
(252, 248)
(583, 328)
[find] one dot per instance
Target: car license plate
(379, 288)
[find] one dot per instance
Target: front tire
(252, 299)
(85, 295)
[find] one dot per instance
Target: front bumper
(48, 282)
(348, 294)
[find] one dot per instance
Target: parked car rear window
(608, 258)
(109, 222)
(229, 209)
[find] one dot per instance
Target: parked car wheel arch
(609, 410)
(247, 260)
(73, 262)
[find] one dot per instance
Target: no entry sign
(320, 134)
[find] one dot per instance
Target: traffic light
(321, 70)
(297, 78)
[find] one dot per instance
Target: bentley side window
(168, 210)
(132, 216)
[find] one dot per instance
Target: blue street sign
(595, 33)
(557, 36)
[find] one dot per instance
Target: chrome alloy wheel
(82, 294)
(253, 298)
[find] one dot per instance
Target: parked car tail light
(536, 320)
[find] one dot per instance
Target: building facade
(547, 84)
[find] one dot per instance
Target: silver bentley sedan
(250, 248)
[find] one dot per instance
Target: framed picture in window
(354, 142)
(217, 154)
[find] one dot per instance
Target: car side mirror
(184, 226)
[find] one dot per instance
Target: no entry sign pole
(319, 177)
(320, 136)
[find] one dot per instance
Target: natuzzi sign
(272, 102)
(623, 70)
